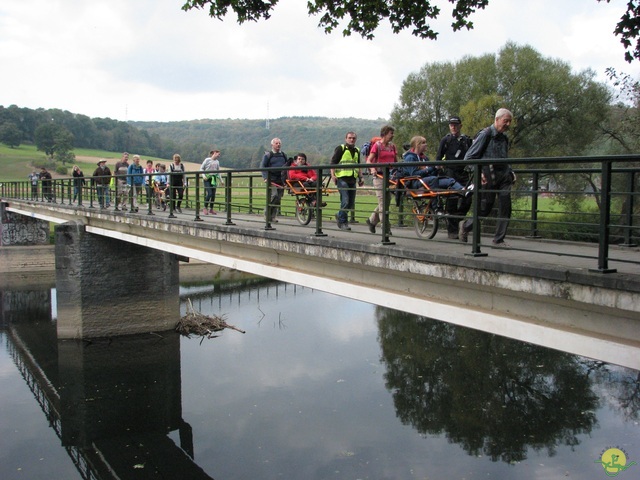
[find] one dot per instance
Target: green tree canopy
(10, 134)
(556, 112)
(364, 16)
(52, 138)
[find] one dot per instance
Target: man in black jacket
(454, 146)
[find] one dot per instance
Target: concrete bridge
(117, 273)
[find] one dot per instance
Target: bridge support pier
(21, 230)
(107, 287)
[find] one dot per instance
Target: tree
(10, 134)
(54, 139)
(556, 112)
(364, 16)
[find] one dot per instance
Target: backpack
(484, 147)
(464, 140)
(366, 146)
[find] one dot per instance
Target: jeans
(347, 188)
(209, 195)
(103, 194)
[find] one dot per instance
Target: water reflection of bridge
(112, 419)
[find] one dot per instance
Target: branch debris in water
(195, 323)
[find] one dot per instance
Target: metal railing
(607, 215)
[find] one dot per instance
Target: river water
(319, 387)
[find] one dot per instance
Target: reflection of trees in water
(622, 389)
(491, 395)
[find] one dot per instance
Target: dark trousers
(347, 188)
(457, 206)
(176, 192)
(498, 187)
(209, 195)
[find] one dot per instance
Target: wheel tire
(303, 211)
(425, 221)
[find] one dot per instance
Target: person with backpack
(276, 178)
(383, 151)
(346, 178)
(497, 180)
(454, 146)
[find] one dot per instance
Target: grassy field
(17, 163)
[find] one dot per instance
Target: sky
(148, 60)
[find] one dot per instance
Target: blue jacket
(138, 171)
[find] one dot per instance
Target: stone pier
(107, 287)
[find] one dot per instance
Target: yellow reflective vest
(347, 157)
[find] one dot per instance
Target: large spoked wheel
(425, 220)
(304, 211)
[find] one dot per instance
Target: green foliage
(243, 142)
(556, 112)
(62, 170)
(10, 134)
(364, 16)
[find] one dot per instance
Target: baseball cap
(455, 119)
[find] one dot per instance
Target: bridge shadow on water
(116, 404)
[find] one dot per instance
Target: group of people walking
(495, 183)
(129, 179)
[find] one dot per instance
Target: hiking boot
(462, 233)
(372, 227)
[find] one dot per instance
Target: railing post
(267, 208)
(535, 182)
(386, 224)
(475, 237)
(150, 193)
(628, 217)
(197, 217)
(227, 198)
(605, 217)
(318, 206)
(251, 194)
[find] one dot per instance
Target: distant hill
(243, 142)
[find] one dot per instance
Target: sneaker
(462, 233)
(469, 190)
(205, 212)
(344, 226)
(372, 227)
(452, 236)
(323, 204)
(212, 212)
(501, 244)
(178, 209)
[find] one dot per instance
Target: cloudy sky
(149, 60)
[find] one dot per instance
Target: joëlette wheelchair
(305, 203)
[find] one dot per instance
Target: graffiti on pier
(20, 230)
